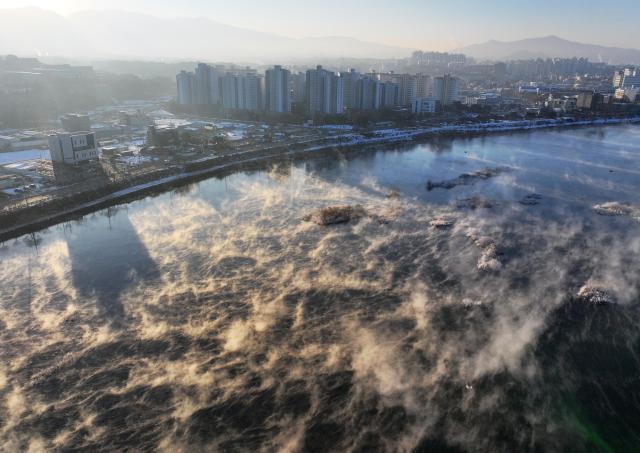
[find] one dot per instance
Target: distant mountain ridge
(550, 47)
(126, 35)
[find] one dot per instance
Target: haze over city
(336, 226)
(414, 24)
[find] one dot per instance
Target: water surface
(215, 318)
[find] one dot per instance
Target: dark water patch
(466, 179)
(590, 357)
(115, 377)
(369, 442)
(52, 421)
(121, 349)
(323, 436)
(237, 413)
(431, 445)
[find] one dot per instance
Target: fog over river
(485, 299)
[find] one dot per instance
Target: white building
(629, 94)
(445, 89)
(251, 92)
(618, 76)
(201, 87)
(73, 148)
(207, 85)
(277, 94)
(325, 92)
(242, 91)
(407, 85)
(423, 105)
(350, 79)
(186, 87)
(631, 79)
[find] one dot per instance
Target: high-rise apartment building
(186, 88)
(390, 94)
(241, 91)
(423, 86)
(201, 87)
(437, 58)
(350, 79)
(277, 91)
(298, 87)
(445, 89)
(368, 93)
(325, 92)
(407, 84)
(203, 84)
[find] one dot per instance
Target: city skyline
(411, 24)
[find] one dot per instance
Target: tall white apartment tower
(325, 92)
(350, 79)
(201, 87)
(214, 86)
(241, 91)
(277, 94)
(186, 87)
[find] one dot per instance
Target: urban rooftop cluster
(560, 85)
(322, 92)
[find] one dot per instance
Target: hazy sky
(426, 24)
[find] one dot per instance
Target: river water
(215, 317)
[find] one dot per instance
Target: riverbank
(34, 218)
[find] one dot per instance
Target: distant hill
(125, 35)
(550, 47)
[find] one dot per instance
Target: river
(486, 300)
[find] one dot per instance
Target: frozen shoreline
(351, 140)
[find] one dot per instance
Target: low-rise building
(423, 105)
(629, 94)
(73, 148)
(134, 119)
(589, 100)
(563, 104)
(163, 136)
(75, 122)
(23, 140)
